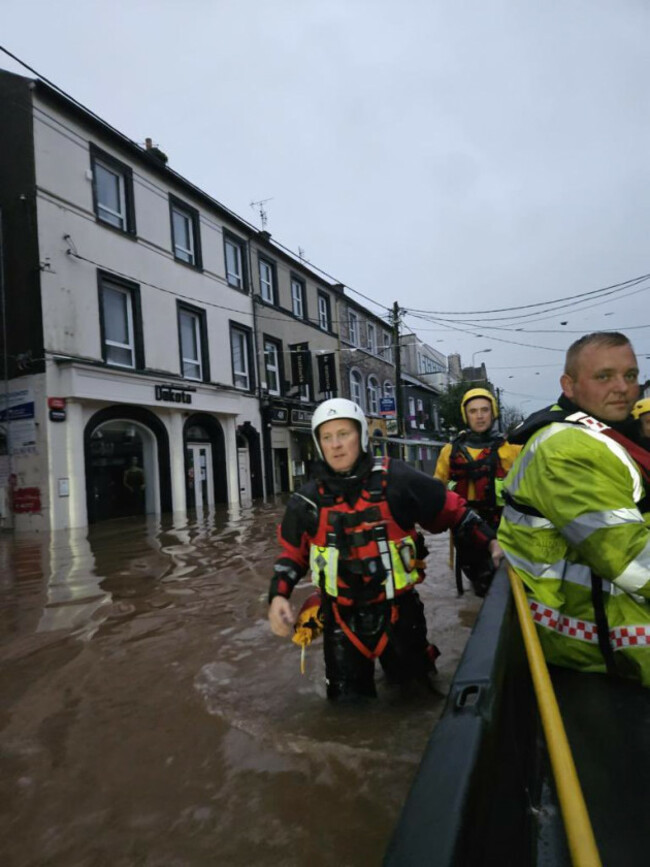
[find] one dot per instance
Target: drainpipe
(5, 352)
(266, 439)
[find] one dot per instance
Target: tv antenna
(261, 210)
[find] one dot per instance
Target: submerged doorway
(122, 480)
(205, 462)
(200, 475)
(244, 467)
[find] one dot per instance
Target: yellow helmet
(478, 392)
(641, 407)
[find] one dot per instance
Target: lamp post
(478, 352)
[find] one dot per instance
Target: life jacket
(359, 554)
(483, 470)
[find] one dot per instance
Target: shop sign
(26, 500)
(174, 394)
(327, 373)
(279, 415)
(387, 406)
(17, 405)
(391, 427)
(300, 364)
(301, 417)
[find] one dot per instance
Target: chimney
(154, 152)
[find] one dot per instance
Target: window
(389, 388)
(267, 281)
(412, 418)
(420, 414)
(240, 345)
(193, 343)
(185, 233)
(354, 329)
(298, 298)
(235, 269)
(120, 322)
(388, 349)
(112, 191)
(356, 384)
(373, 395)
(324, 317)
(272, 366)
(372, 340)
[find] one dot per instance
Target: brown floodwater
(150, 718)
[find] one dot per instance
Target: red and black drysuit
(355, 509)
(477, 472)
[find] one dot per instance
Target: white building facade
(130, 374)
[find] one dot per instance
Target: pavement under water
(148, 716)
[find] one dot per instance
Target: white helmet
(339, 407)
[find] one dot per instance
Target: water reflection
(150, 715)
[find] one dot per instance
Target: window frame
(298, 281)
(203, 361)
(375, 390)
(268, 263)
(277, 347)
(412, 415)
(387, 348)
(352, 381)
(371, 338)
(354, 327)
(192, 216)
(240, 245)
(124, 173)
(134, 320)
(247, 333)
(325, 314)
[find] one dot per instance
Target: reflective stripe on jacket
(572, 513)
(359, 552)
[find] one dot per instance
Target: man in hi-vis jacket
(576, 525)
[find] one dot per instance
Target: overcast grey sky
(452, 156)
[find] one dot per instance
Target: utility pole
(500, 421)
(398, 372)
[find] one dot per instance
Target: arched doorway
(127, 464)
(244, 468)
(205, 462)
(249, 455)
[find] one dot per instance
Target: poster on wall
(17, 426)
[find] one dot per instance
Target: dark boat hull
(484, 793)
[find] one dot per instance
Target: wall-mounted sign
(17, 405)
(387, 406)
(57, 415)
(174, 394)
(56, 403)
(301, 417)
(327, 373)
(300, 363)
(279, 415)
(26, 500)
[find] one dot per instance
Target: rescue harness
(361, 555)
(484, 471)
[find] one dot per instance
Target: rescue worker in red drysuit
(475, 465)
(354, 526)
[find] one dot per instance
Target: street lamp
(478, 352)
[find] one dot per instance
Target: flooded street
(150, 718)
